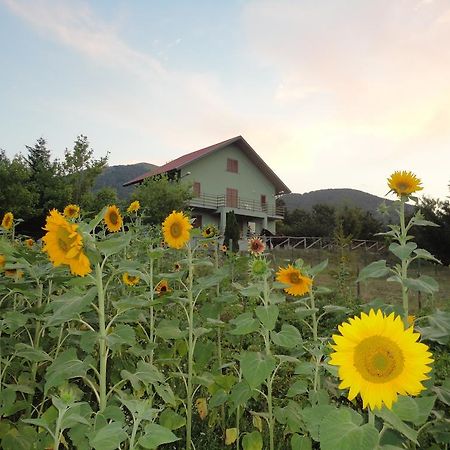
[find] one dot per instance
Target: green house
(228, 176)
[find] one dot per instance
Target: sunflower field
(116, 335)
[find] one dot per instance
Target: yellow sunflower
(176, 229)
(8, 221)
(14, 273)
(404, 183)
(113, 219)
(177, 267)
(298, 284)
(71, 211)
(378, 358)
(134, 207)
(223, 248)
(209, 231)
(29, 242)
(130, 280)
(162, 287)
(64, 245)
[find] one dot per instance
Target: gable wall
(211, 172)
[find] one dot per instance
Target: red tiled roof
(182, 161)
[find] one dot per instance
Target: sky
(331, 94)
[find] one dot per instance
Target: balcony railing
(216, 201)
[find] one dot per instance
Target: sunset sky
(330, 93)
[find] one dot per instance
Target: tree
(160, 196)
(231, 232)
(81, 170)
(46, 179)
(94, 202)
(14, 193)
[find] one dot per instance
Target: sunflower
(113, 219)
(130, 280)
(8, 221)
(223, 248)
(71, 211)
(404, 183)
(177, 267)
(176, 228)
(256, 246)
(209, 231)
(378, 358)
(2, 261)
(64, 245)
(162, 287)
(134, 207)
(29, 242)
(298, 283)
(14, 273)
(258, 267)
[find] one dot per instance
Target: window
(232, 165)
(197, 221)
(263, 202)
(196, 189)
(232, 198)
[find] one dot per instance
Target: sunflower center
(403, 186)
(113, 218)
(294, 278)
(175, 230)
(378, 359)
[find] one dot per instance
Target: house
(228, 176)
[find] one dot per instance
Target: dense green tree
(95, 201)
(14, 193)
(232, 232)
(81, 170)
(160, 196)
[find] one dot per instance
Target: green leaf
(299, 387)
(170, 329)
(256, 367)
(423, 223)
(318, 268)
(335, 309)
(145, 374)
(65, 366)
(300, 442)
(376, 269)
(302, 313)
(240, 394)
(156, 435)
(423, 284)
(31, 354)
(288, 337)
(439, 327)
(394, 420)
(141, 409)
(443, 392)
(425, 254)
(70, 306)
(252, 441)
(20, 438)
(268, 315)
(402, 251)
(171, 420)
(108, 437)
(342, 430)
(219, 398)
(121, 335)
(244, 324)
(114, 244)
(14, 320)
(166, 393)
(313, 416)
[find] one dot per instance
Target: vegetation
(110, 340)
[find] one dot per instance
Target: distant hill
(337, 198)
(115, 176)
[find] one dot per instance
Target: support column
(223, 220)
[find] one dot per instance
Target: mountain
(337, 198)
(115, 176)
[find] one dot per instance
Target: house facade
(228, 176)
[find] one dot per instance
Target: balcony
(208, 201)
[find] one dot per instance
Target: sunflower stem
(152, 312)
(314, 315)
(371, 418)
(103, 354)
(191, 346)
(404, 275)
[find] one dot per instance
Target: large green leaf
(31, 354)
(114, 244)
(20, 438)
(313, 416)
(423, 284)
(256, 367)
(300, 442)
(156, 435)
(288, 337)
(342, 430)
(108, 437)
(145, 374)
(65, 366)
(439, 327)
(244, 324)
(394, 420)
(376, 269)
(268, 315)
(252, 441)
(171, 420)
(170, 329)
(415, 410)
(402, 251)
(121, 335)
(70, 306)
